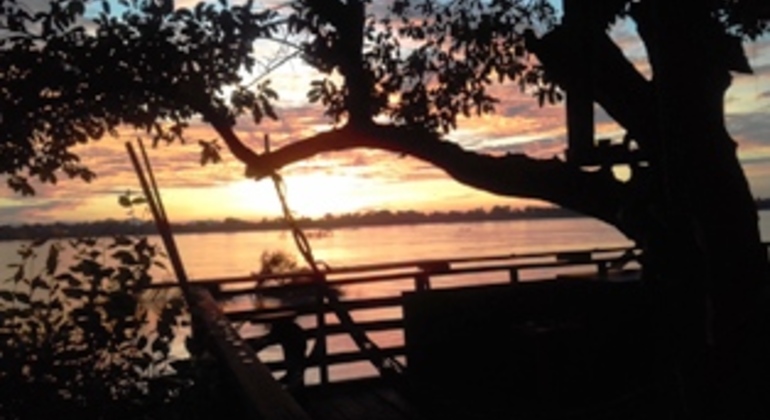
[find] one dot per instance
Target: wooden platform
(371, 399)
(549, 349)
(513, 349)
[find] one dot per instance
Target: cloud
(750, 129)
(36, 209)
(514, 108)
(520, 126)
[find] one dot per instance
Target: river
(235, 254)
(216, 255)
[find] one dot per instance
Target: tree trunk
(704, 261)
(707, 264)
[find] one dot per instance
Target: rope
(300, 239)
(385, 364)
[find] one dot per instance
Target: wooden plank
(368, 326)
(367, 399)
(321, 336)
(625, 275)
(563, 259)
(340, 358)
(559, 347)
(580, 103)
(261, 394)
(358, 304)
(387, 266)
(304, 309)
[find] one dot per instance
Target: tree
(689, 207)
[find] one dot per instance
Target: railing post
(422, 282)
(513, 275)
(601, 268)
(320, 339)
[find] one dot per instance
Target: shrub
(77, 335)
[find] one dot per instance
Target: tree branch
(617, 86)
(219, 119)
(596, 194)
(349, 20)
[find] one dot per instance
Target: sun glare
(310, 195)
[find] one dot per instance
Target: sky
(360, 180)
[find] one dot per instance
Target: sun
(308, 195)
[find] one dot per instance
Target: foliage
(144, 66)
(277, 262)
(437, 58)
(79, 332)
(274, 262)
(463, 47)
(148, 65)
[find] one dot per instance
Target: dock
(440, 338)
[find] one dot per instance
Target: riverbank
(328, 222)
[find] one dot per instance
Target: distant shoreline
(327, 223)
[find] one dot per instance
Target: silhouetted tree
(151, 66)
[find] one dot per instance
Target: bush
(77, 336)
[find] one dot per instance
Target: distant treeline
(370, 218)
(112, 227)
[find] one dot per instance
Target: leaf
(124, 201)
(53, 259)
(73, 293)
(270, 93)
(76, 8)
(164, 328)
(124, 275)
(38, 242)
(69, 278)
(313, 96)
(193, 345)
(268, 108)
(160, 346)
(256, 114)
(182, 367)
(210, 152)
(124, 257)
(22, 297)
(19, 274)
(38, 283)
(120, 240)
(6, 295)
(519, 50)
(142, 343)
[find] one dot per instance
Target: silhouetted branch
(596, 194)
(220, 121)
(348, 49)
(617, 86)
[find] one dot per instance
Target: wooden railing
(258, 394)
(316, 316)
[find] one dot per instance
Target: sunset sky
(363, 179)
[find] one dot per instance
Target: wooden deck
(387, 391)
(370, 399)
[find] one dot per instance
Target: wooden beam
(580, 103)
(262, 396)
